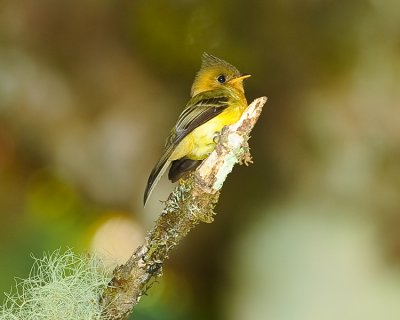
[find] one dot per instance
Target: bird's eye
(221, 78)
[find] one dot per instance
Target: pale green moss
(60, 286)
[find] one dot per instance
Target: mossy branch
(192, 202)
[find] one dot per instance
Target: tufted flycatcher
(217, 100)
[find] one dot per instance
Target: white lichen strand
(234, 144)
(227, 166)
(60, 286)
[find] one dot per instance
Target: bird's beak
(241, 78)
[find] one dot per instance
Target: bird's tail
(157, 172)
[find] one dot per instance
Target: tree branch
(192, 202)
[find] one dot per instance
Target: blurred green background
(90, 89)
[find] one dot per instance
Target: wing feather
(198, 111)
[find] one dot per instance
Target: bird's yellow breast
(198, 144)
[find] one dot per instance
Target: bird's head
(216, 73)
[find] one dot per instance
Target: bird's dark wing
(199, 110)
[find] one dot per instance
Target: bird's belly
(202, 139)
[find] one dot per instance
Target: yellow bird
(217, 100)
